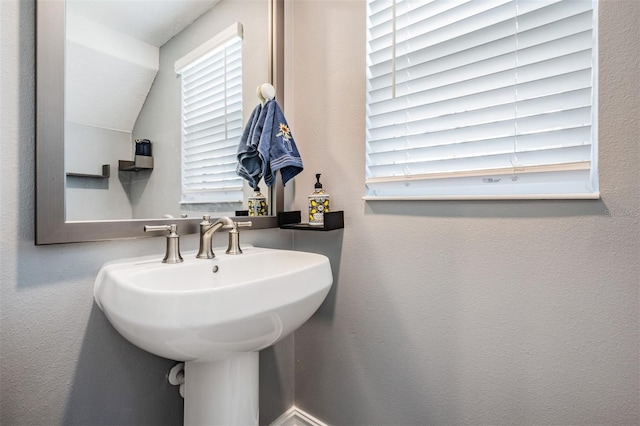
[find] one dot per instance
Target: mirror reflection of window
(211, 121)
(152, 106)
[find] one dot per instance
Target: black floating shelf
(291, 220)
(106, 173)
(141, 162)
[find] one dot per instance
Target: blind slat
(566, 136)
(223, 155)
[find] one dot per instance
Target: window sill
(590, 196)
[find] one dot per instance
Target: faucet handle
(234, 238)
(154, 228)
(172, 254)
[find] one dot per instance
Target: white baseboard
(296, 417)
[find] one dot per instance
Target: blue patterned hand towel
(249, 163)
(276, 146)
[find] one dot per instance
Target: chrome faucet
(207, 229)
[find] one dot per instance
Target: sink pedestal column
(222, 392)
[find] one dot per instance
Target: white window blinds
(481, 99)
(212, 119)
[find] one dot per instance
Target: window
(212, 119)
(481, 99)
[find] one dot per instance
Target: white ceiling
(152, 21)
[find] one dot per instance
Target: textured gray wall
(520, 312)
(61, 362)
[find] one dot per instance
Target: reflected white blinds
(481, 99)
(212, 124)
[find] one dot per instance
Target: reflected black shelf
(106, 173)
(141, 162)
(292, 220)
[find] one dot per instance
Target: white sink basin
(187, 312)
(214, 314)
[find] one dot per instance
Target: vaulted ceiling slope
(112, 55)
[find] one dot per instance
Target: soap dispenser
(318, 204)
(257, 203)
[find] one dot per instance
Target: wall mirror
(95, 98)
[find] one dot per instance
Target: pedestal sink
(214, 315)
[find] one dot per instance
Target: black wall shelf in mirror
(141, 162)
(106, 173)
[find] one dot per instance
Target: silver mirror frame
(50, 224)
